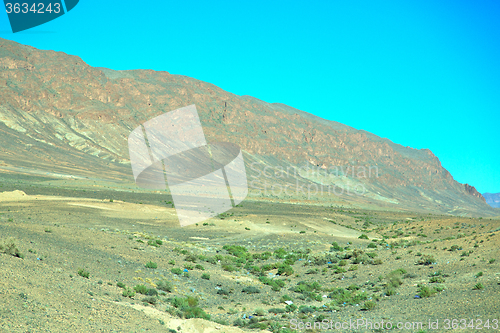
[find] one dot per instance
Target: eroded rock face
(472, 191)
(58, 100)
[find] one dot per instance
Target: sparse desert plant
(425, 291)
(285, 269)
(188, 267)
(336, 247)
(478, 286)
(251, 290)
(164, 285)
(363, 236)
(176, 271)
(436, 279)
(128, 292)
(141, 289)
(372, 246)
(259, 312)
(83, 273)
(9, 247)
(229, 268)
(369, 305)
(121, 285)
(491, 261)
(291, 308)
(205, 276)
(188, 308)
(479, 274)
(171, 262)
(426, 260)
(151, 265)
(200, 267)
(150, 299)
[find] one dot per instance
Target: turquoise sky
(425, 74)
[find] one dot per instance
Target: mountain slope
(58, 112)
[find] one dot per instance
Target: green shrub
(291, 308)
(436, 279)
(276, 310)
(151, 265)
(425, 291)
(205, 276)
(83, 273)
(492, 261)
(200, 267)
(479, 274)
(171, 262)
(9, 247)
(141, 289)
(251, 290)
(372, 246)
(229, 268)
(164, 285)
(128, 292)
(121, 285)
(285, 269)
(336, 247)
(363, 236)
(478, 286)
(369, 305)
(426, 260)
(176, 271)
(188, 308)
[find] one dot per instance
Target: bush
(200, 267)
(291, 308)
(10, 247)
(223, 291)
(251, 290)
(176, 271)
(164, 285)
(189, 308)
(478, 286)
(229, 268)
(141, 289)
(336, 247)
(369, 305)
(436, 279)
(425, 291)
(285, 269)
(205, 276)
(363, 236)
(150, 299)
(426, 260)
(259, 312)
(372, 246)
(83, 273)
(128, 292)
(276, 310)
(121, 285)
(151, 265)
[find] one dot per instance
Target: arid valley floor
(85, 257)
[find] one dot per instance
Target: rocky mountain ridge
(56, 111)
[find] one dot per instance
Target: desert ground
(89, 256)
